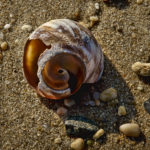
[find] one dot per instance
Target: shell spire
(59, 57)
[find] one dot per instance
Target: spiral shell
(59, 57)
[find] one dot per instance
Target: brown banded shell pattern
(59, 57)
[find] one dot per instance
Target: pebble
(26, 27)
(130, 129)
(108, 94)
(4, 45)
(61, 111)
(122, 111)
(90, 142)
(147, 106)
(98, 134)
(142, 69)
(97, 102)
(93, 21)
(69, 102)
(77, 144)
(97, 6)
(86, 25)
(16, 41)
(57, 141)
(78, 126)
(96, 95)
(139, 1)
(7, 26)
(140, 87)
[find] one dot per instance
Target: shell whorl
(63, 44)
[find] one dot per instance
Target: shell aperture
(59, 57)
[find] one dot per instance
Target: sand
(123, 31)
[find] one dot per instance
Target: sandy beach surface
(28, 122)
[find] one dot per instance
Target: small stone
(94, 18)
(140, 87)
(84, 24)
(130, 129)
(90, 142)
(122, 111)
(96, 95)
(108, 94)
(26, 27)
(133, 35)
(147, 106)
(16, 41)
(57, 141)
(4, 45)
(97, 6)
(7, 26)
(98, 134)
(61, 111)
(77, 144)
(142, 69)
(78, 126)
(97, 102)
(69, 102)
(139, 1)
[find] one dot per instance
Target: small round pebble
(69, 102)
(57, 141)
(108, 94)
(130, 129)
(98, 134)
(77, 144)
(139, 1)
(97, 102)
(140, 87)
(7, 26)
(61, 111)
(26, 27)
(90, 142)
(4, 45)
(122, 111)
(97, 6)
(142, 69)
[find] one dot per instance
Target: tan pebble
(140, 87)
(4, 45)
(130, 129)
(133, 35)
(7, 26)
(97, 6)
(98, 134)
(108, 94)
(122, 111)
(26, 27)
(90, 142)
(94, 18)
(69, 102)
(57, 141)
(16, 41)
(77, 144)
(142, 69)
(97, 102)
(84, 24)
(139, 1)
(61, 111)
